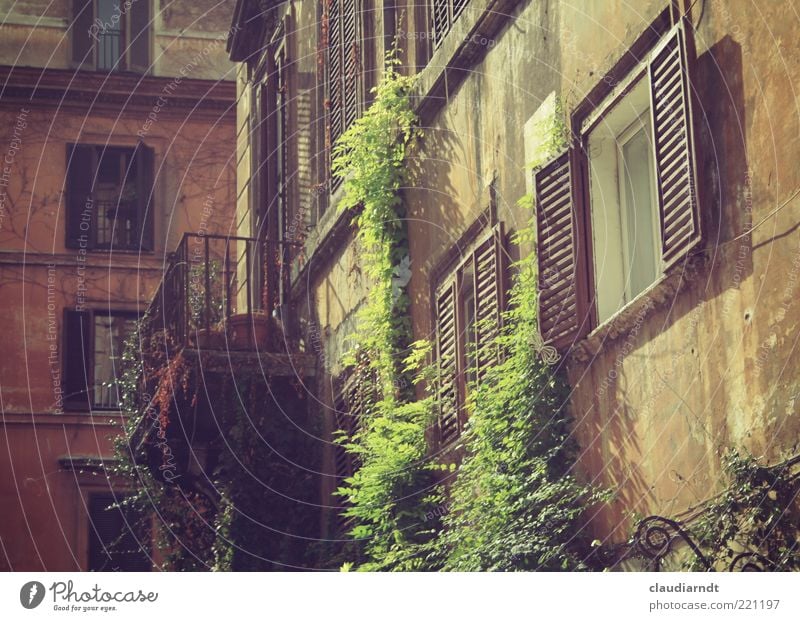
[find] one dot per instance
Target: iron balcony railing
(211, 278)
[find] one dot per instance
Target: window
(109, 197)
(112, 544)
(618, 210)
(443, 14)
(109, 35)
(623, 206)
(468, 309)
(345, 89)
(93, 347)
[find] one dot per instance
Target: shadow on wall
(676, 385)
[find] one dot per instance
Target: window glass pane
(639, 216)
(110, 332)
(116, 204)
(109, 35)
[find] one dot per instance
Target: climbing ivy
(515, 504)
(386, 496)
(254, 507)
(757, 513)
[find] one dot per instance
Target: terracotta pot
(209, 339)
(248, 331)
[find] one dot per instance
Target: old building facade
(666, 230)
(118, 138)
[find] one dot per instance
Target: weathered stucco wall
(187, 36)
(715, 365)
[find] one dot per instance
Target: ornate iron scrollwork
(656, 537)
(751, 561)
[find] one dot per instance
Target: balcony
(217, 293)
(205, 336)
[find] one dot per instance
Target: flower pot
(212, 338)
(248, 331)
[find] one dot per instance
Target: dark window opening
(113, 546)
(94, 344)
(109, 197)
(108, 35)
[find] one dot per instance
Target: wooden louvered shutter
(674, 145)
(139, 48)
(440, 19)
(446, 354)
(83, 49)
(561, 320)
(145, 169)
(489, 274)
(351, 64)
(81, 171)
(335, 77)
(77, 358)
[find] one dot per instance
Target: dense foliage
(757, 513)
(515, 503)
(387, 495)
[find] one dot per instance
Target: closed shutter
(674, 148)
(560, 308)
(81, 171)
(446, 354)
(139, 48)
(77, 358)
(82, 43)
(489, 290)
(145, 169)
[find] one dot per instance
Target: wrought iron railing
(211, 278)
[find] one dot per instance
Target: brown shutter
(558, 252)
(81, 170)
(77, 358)
(489, 276)
(674, 148)
(83, 49)
(335, 77)
(351, 62)
(139, 48)
(446, 354)
(144, 195)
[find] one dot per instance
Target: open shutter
(81, 170)
(674, 148)
(489, 291)
(139, 48)
(446, 354)
(560, 321)
(83, 49)
(76, 358)
(144, 194)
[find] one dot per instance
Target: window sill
(470, 38)
(630, 317)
